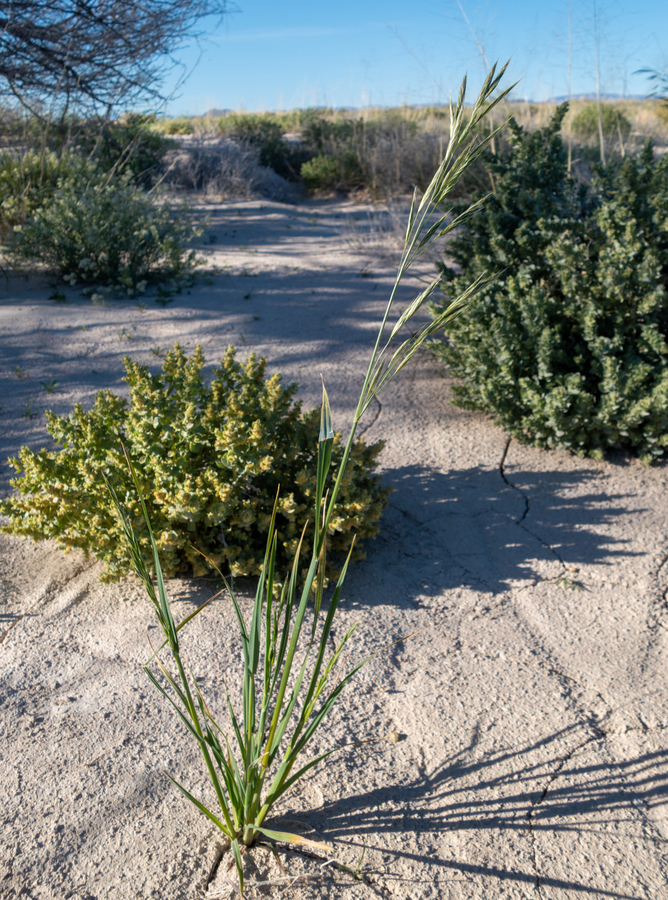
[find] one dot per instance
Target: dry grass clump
(222, 168)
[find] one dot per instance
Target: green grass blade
(240, 868)
(325, 442)
(200, 806)
(187, 722)
(296, 628)
(183, 623)
(135, 550)
(237, 731)
(268, 578)
(415, 306)
(285, 609)
(283, 837)
(315, 676)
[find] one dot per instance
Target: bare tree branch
(92, 54)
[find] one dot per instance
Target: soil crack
(476, 579)
(597, 735)
(527, 506)
(502, 473)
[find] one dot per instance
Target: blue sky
(273, 56)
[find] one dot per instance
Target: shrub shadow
(469, 527)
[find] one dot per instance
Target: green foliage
(320, 133)
(29, 180)
(613, 122)
(176, 125)
(129, 145)
(265, 133)
(211, 459)
(101, 229)
(566, 344)
(291, 664)
(385, 154)
(329, 172)
(320, 173)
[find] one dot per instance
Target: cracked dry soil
(518, 743)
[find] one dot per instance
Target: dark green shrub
(320, 173)
(176, 125)
(613, 122)
(103, 230)
(265, 133)
(566, 346)
(330, 172)
(130, 144)
(211, 459)
(386, 155)
(319, 133)
(334, 146)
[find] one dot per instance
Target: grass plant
(287, 694)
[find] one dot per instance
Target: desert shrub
(175, 125)
(129, 145)
(566, 345)
(319, 133)
(320, 173)
(328, 172)
(387, 155)
(613, 121)
(29, 180)
(265, 134)
(211, 459)
(104, 230)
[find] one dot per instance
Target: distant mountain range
(592, 96)
(216, 113)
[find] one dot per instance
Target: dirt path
(530, 709)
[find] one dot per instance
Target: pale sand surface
(531, 705)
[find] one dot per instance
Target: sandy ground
(532, 758)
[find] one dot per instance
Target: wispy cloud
(298, 33)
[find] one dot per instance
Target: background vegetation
(376, 154)
(380, 153)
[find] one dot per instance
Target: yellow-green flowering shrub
(211, 458)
